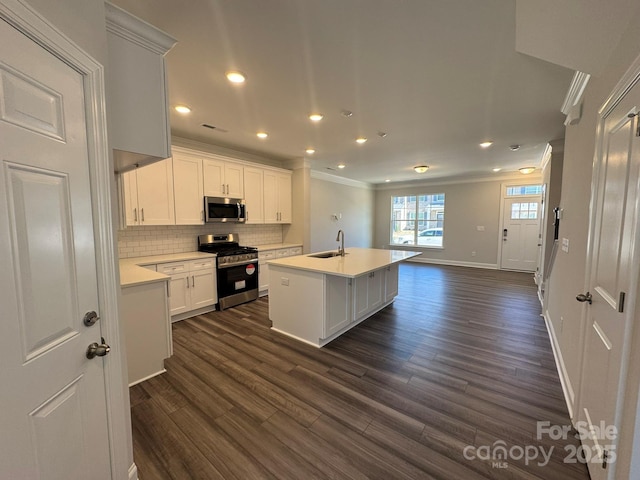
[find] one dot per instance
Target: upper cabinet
(222, 178)
(254, 194)
(148, 194)
(188, 188)
(277, 197)
(138, 109)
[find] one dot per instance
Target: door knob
(96, 350)
(584, 297)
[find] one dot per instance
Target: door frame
(628, 398)
(537, 180)
(29, 22)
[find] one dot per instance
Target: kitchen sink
(325, 255)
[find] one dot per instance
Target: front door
(520, 231)
(612, 273)
(53, 415)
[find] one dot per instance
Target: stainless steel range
(236, 268)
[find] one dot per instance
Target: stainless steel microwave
(218, 209)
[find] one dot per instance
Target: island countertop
(356, 262)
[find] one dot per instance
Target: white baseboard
(454, 263)
(133, 472)
(567, 390)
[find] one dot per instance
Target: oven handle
(246, 262)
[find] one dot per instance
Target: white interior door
(53, 416)
(612, 273)
(520, 233)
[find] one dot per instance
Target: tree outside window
(418, 220)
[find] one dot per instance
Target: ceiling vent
(212, 127)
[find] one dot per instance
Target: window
(524, 210)
(418, 220)
(524, 190)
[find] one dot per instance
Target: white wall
(467, 206)
(568, 274)
(354, 202)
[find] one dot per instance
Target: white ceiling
(438, 77)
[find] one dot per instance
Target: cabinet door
(130, 198)
(263, 278)
(188, 190)
(338, 313)
(179, 287)
(155, 193)
(203, 288)
(376, 290)
(284, 198)
(253, 194)
(233, 179)
(213, 174)
(391, 282)
(361, 296)
(271, 213)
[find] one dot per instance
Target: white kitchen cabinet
(147, 329)
(188, 189)
(254, 194)
(148, 194)
(263, 267)
(136, 83)
(222, 178)
(192, 286)
(391, 282)
(368, 292)
(277, 197)
(338, 304)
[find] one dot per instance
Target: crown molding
(505, 177)
(341, 180)
(131, 28)
(572, 105)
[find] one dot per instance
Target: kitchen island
(316, 299)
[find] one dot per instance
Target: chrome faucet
(341, 247)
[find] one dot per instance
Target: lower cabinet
(147, 329)
(368, 292)
(338, 304)
(390, 282)
(263, 267)
(192, 285)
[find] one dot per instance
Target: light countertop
(132, 271)
(357, 261)
(277, 246)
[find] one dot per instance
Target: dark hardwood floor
(457, 367)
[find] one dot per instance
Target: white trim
(28, 21)
(454, 263)
(164, 370)
(327, 177)
(133, 472)
(507, 176)
(546, 157)
(567, 390)
(572, 105)
(125, 25)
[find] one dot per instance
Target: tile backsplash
(160, 240)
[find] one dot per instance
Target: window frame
(415, 219)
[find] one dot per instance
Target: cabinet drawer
(265, 256)
(295, 251)
(201, 264)
(173, 268)
(283, 253)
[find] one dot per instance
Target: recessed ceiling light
(421, 168)
(342, 165)
(496, 169)
(182, 109)
(486, 144)
(316, 117)
(235, 77)
(262, 134)
(387, 180)
(527, 170)
(361, 139)
(310, 151)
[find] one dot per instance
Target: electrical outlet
(284, 281)
(473, 254)
(480, 228)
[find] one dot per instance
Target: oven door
(237, 283)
